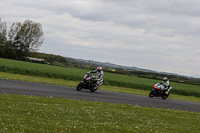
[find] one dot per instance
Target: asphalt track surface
(45, 90)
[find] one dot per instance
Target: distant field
(76, 74)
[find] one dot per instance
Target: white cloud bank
(152, 34)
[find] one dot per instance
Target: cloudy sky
(161, 35)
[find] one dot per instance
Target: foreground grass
(103, 87)
(43, 114)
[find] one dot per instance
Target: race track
(27, 88)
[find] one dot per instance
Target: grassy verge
(41, 114)
(103, 87)
(75, 74)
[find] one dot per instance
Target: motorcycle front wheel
(79, 87)
(164, 96)
(151, 94)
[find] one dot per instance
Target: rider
(99, 76)
(166, 84)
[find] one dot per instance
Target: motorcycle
(89, 82)
(158, 91)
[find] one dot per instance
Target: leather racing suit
(99, 77)
(166, 84)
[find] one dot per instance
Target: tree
(3, 39)
(26, 37)
(3, 32)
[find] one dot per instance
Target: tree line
(20, 40)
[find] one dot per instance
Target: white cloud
(137, 33)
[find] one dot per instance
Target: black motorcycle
(89, 82)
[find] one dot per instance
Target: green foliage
(27, 36)
(3, 32)
(3, 38)
(70, 73)
(41, 114)
(51, 59)
(22, 38)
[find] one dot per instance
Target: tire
(151, 94)
(79, 87)
(164, 96)
(93, 90)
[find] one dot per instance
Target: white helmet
(165, 79)
(99, 68)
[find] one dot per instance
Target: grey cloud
(128, 32)
(170, 15)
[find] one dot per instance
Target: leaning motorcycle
(158, 91)
(89, 82)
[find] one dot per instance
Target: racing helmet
(99, 68)
(165, 79)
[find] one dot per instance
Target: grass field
(70, 83)
(75, 74)
(22, 114)
(33, 114)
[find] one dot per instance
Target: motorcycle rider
(166, 83)
(99, 76)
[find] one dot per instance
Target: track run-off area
(46, 90)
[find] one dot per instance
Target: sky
(160, 35)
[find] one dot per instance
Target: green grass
(75, 74)
(33, 114)
(56, 115)
(103, 87)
